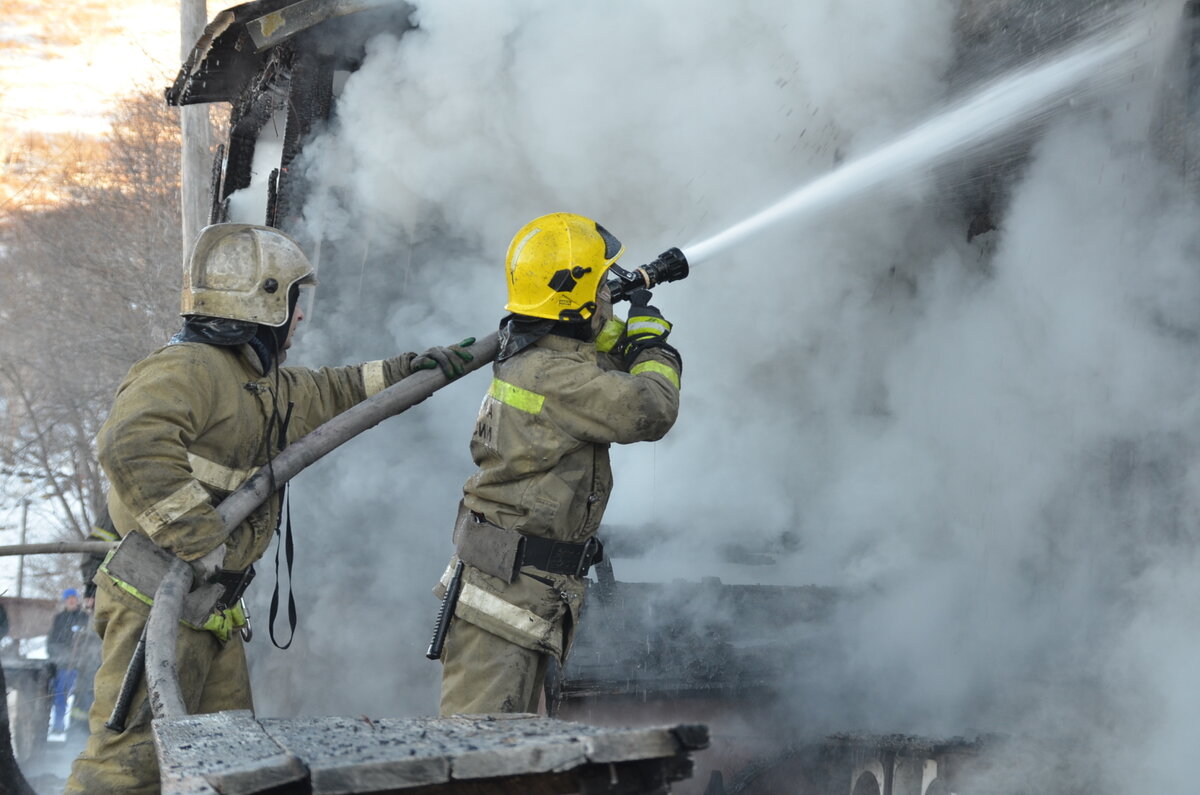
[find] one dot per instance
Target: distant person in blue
(61, 648)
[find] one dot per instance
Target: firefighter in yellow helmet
(568, 382)
(189, 424)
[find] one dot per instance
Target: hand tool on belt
(137, 567)
(446, 612)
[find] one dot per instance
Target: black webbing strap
(562, 557)
(235, 584)
(284, 540)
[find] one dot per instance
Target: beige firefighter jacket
(541, 444)
(190, 424)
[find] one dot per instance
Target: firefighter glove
(646, 327)
(207, 567)
(449, 358)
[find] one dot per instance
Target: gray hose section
(162, 673)
(58, 547)
(162, 636)
(399, 397)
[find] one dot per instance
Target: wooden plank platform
(234, 753)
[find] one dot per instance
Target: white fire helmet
(243, 272)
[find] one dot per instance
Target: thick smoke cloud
(991, 442)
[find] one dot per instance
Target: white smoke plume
(995, 441)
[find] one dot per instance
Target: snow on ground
(61, 67)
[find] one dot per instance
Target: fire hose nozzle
(669, 266)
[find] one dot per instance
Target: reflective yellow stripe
(648, 325)
(608, 336)
(129, 589)
(666, 371)
(164, 512)
(373, 380)
(217, 475)
(521, 399)
(100, 534)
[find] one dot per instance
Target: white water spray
(1006, 105)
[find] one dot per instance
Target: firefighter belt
(138, 566)
(502, 553)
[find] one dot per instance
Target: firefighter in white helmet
(568, 382)
(189, 424)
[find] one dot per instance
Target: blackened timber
(251, 112)
(310, 99)
(273, 199)
(224, 59)
(216, 211)
(276, 27)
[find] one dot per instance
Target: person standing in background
(62, 646)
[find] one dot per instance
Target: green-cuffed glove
(646, 327)
(450, 358)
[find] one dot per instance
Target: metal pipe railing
(58, 548)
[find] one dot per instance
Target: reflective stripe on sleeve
(607, 339)
(647, 325)
(168, 510)
(515, 396)
(372, 376)
(666, 371)
(100, 534)
(219, 476)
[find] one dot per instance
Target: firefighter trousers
(212, 677)
(483, 673)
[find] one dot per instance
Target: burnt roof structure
(272, 57)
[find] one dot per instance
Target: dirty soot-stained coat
(541, 444)
(189, 425)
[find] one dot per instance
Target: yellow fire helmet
(555, 267)
(243, 272)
